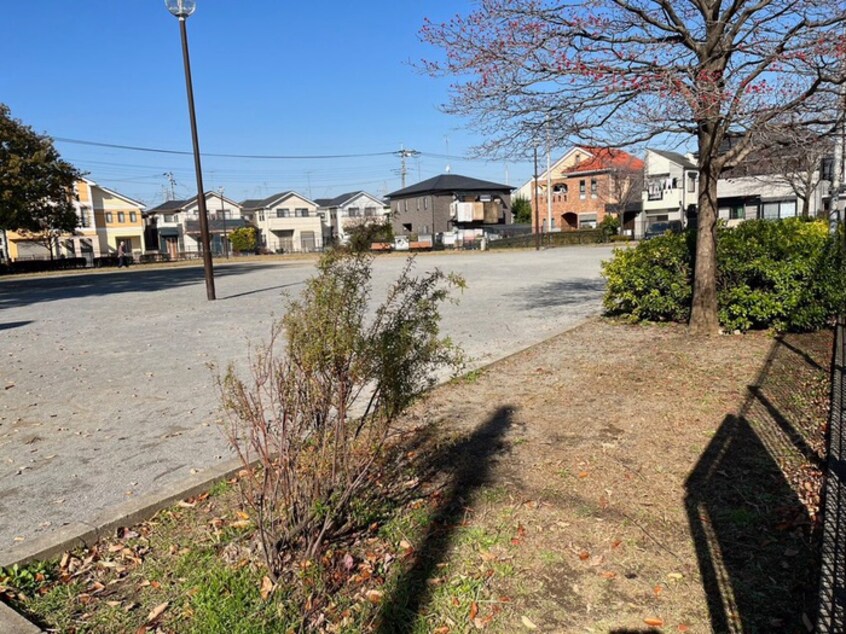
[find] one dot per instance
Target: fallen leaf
(266, 587)
(480, 623)
(374, 596)
(157, 611)
(242, 515)
(584, 555)
(675, 576)
(683, 628)
(474, 610)
(654, 621)
(657, 589)
(186, 505)
(444, 629)
(583, 474)
(527, 623)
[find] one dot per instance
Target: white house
(351, 209)
(174, 226)
(671, 188)
(288, 222)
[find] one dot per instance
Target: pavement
(107, 394)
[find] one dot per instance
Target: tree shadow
(561, 293)
(469, 463)
(15, 324)
(20, 292)
(755, 541)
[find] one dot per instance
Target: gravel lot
(105, 390)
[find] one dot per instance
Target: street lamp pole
(182, 9)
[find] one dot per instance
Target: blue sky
(270, 77)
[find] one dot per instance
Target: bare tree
(621, 72)
(794, 158)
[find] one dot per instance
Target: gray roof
(170, 205)
(337, 201)
(263, 203)
(675, 157)
(449, 183)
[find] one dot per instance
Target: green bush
(784, 274)
(244, 239)
(650, 282)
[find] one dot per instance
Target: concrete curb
(13, 623)
(137, 510)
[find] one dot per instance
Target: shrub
(786, 275)
(244, 239)
(365, 233)
(610, 227)
(310, 426)
(650, 282)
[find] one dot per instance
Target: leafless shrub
(311, 422)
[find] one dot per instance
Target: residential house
(586, 183)
(449, 203)
(670, 191)
(106, 218)
(350, 209)
(173, 228)
(287, 222)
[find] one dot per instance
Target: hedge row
(558, 238)
(40, 266)
(786, 275)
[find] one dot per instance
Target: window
(370, 211)
(352, 212)
(108, 216)
(425, 205)
(582, 192)
(169, 218)
(121, 217)
(301, 213)
(84, 219)
(261, 216)
(133, 217)
(283, 212)
(691, 183)
(594, 188)
(176, 217)
(737, 212)
(778, 209)
(587, 221)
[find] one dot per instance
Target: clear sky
(270, 77)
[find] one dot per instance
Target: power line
(136, 148)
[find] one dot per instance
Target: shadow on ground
(469, 465)
(756, 543)
(25, 291)
(561, 293)
(14, 324)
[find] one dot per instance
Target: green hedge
(785, 275)
(557, 238)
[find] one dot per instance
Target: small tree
(36, 185)
(363, 234)
(244, 239)
(521, 210)
(311, 424)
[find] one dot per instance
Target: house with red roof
(586, 184)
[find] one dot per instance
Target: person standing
(122, 254)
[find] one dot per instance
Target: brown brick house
(587, 184)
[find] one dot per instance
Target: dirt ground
(612, 479)
(638, 478)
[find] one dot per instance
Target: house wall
(286, 233)
(121, 226)
(341, 218)
(433, 210)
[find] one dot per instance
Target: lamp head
(181, 8)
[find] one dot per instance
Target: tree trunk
(704, 319)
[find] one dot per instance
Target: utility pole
(172, 181)
(835, 213)
(223, 215)
(548, 181)
(404, 156)
(536, 215)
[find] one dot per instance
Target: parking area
(106, 386)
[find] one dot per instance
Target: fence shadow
(756, 542)
(469, 463)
